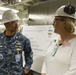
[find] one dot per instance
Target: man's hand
(43, 74)
(26, 71)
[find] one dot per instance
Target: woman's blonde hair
(69, 24)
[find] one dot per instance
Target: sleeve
(28, 55)
(72, 68)
(44, 67)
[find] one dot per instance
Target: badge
(18, 57)
(18, 48)
(54, 50)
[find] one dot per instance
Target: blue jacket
(11, 62)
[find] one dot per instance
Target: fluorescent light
(19, 0)
(4, 9)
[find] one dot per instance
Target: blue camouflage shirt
(11, 61)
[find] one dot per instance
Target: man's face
(12, 26)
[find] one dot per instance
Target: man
(12, 44)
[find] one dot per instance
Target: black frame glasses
(57, 19)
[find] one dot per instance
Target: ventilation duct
(5, 1)
(34, 2)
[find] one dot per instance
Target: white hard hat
(67, 11)
(9, 15)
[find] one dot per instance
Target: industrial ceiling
(20, 5)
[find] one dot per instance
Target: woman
(61, 59)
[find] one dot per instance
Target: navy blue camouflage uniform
(11, 62)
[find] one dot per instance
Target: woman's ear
(64, 22)
(65, 25)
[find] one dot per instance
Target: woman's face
(58, 25)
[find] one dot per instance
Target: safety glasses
(13, 22)
(58, 19)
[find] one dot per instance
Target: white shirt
(63, 62)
